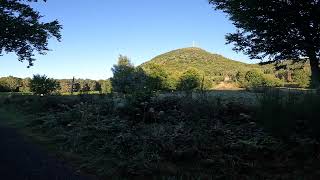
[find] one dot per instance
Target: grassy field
(218, 134)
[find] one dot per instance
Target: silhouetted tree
(41, 84)
(278, 29)
(22, 32)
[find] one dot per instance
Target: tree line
(41, 84)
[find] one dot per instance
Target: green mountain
(212, 65)
(217, 68)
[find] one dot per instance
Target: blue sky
(96, 32)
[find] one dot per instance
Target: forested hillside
(216, 69)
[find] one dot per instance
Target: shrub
(254, 78)
(157, 77)
(10, 84)
(270, 80)
(241, 79)
(106, 86)
(41, 84)
(302, 78)
(190, 80)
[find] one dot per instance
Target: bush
(271, 81)
(302, 78)
(10, 84)
(157, 77)
(106, 86)
(254, 78)
(190, 80)
(241, 79)
(41, 84)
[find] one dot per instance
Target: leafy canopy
(22, 32)
(41, 84)
(123, 75)
(283, 29)
(277, 29)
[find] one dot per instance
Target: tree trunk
(315, 70)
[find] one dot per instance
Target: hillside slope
(217, 68)
(212, 65)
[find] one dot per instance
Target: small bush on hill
(190, 80)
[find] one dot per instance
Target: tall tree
(123, 75)
(41, 84)
(22, 32)
(276, 29)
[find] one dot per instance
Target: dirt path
(21, 160)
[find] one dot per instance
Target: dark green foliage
(190, 80)
(79, 85)
(276, 113)
(123, 76)
(241, 78)
(270, 80)
(286, 114)
(85, 88)
(22, 32)
(41, 84)
(128, 79)
(157, 77)
(76, 87)
(256, 78)
(167, 135)
(277, 29)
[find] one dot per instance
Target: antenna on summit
(193, 44)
